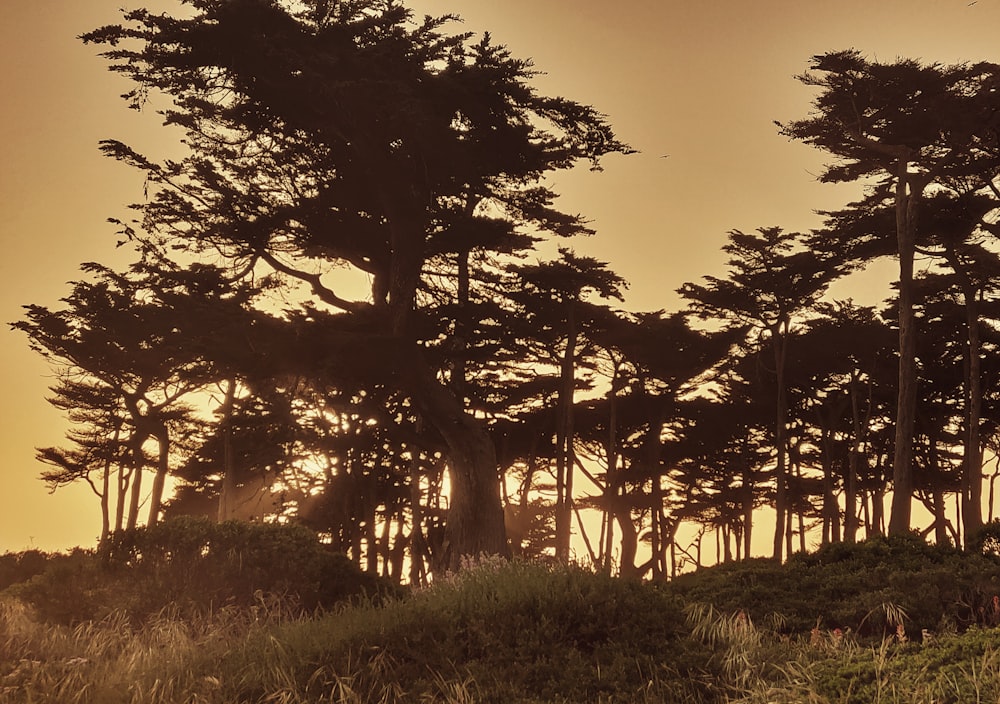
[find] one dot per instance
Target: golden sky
(695, 85)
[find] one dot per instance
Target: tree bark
(160, 478)
(747, 492)
(853, 464)
(227, 491)
(135, 494)
(611, 491)
(564, 453)
(781, 507)
(907, 196)
(972, 458)
(475, 514)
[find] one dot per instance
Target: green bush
(18, 567)
(520, 631)
(953, 669)
(197, 565)
(509, 632)
(864, 587)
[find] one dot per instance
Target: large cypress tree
(342, 133)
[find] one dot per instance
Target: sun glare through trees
(489, 391)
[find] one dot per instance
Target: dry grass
(267, 655)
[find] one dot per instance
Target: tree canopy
(480, 390)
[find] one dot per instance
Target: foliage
(196, 566)
(514, 632)
(521, 631)
(328, 135)
(18, 567)
(858, 587)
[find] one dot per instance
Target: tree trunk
(121, 496)
(972, 457)
(853, 463)
(748, 508)
(781, 506)
(135, 494)
(902, 460)
(227, 491)
(160, 478)
(418, 545)
(564, 452)
(475, 514)
(611, 490)
(831, 506)
(102, 544)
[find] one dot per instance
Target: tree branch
(315, 282)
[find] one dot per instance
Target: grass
(519, 633)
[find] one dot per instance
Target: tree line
(477, 396)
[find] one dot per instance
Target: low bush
(869, 588)
(196, 565)
(821, 628)
(508, 632)
(16, 567)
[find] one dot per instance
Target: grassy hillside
(878, 622)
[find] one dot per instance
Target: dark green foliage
(859, 587)
(520, 631)
(951, 670)
(18, 567)
(987, 539)
(532, 634)
(196, 565)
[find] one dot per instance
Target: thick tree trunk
(475, 523)
(160, 478)
(629, 542)
(135, 494)
(661, 533)
(121, 496)
(475, 514)
(972, 457)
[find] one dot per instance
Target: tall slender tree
(907, 126)
(771, 279)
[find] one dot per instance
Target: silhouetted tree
(908, 126)
(120, 346)
(344, 133)
(769, 282)
(554, 301)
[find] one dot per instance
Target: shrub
(18, 567)
(197, 565)
(864, 587)
(522, 632)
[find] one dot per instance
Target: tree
(842, 363)
(907, 125)
(344, 134)
(554, 301)
(126, 367)
(769, 282)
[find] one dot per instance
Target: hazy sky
(694, 85)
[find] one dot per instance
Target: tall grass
(495, 632)
(110, 660)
